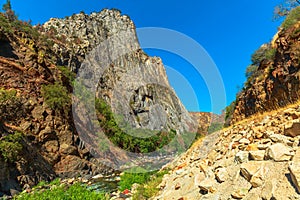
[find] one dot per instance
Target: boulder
(293, 130)
(241, 157)
(257, 155)
(248, 169)
(294, 168)
(279, 152)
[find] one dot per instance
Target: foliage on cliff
(272, 77)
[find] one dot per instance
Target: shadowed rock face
(135, 85)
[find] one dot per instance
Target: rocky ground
(256, 159)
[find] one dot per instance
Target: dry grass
(261, 116)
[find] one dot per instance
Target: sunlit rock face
(135, 85)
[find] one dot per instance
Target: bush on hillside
(56, 97)
(292, 18)
(11, 147)
(124, 138)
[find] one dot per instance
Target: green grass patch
(62, 192)
(149, 188)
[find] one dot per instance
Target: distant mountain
(206, 119)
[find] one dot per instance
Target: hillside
(258, 156)
(256, 159)
(41, 138)
(207, 122)
(273, 76)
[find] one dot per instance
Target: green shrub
(127, 138)
(61, 192)
(11, 106)
(270, 53)
(150, 188)
(67, 73)
(264, 52)
(11, 147)
(292, 18)
(215, 127)
(250, 70)
(56, 97)
(128, 179)
(7, 95)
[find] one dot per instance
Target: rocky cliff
(34, 63)
(134, 84)
(205, 120)
(275, 83)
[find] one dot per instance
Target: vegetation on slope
(58, 191)
(262, 59)
(126, 141)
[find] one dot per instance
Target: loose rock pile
(258, 159)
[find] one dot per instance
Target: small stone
(207, 186)
(177, 186)
(279, 152)
(267, 189)
(199, 178)
(71, 180)
(248, 169)
(221, 175)
(258, 178)
(278, 138)
(257, 155)
(239, 194)
(293, 129)
(241, 157)
(252, 147)
(244, 141)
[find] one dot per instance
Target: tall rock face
(50, 145)
(135, 85)
(277, 83)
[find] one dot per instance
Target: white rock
(279, 152)
(241, 157)
(294, 168)
(248, 169)
(221, 175)
(257, 155)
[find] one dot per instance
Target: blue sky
(230, 31)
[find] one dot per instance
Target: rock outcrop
(205, 119)
(277, 82)
(256, 159)
(134, 84)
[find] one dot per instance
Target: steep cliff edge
(34, 73)
(134, 84)
(275, 82)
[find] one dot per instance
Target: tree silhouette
(8, 11)
(284, 8)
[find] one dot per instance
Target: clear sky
(230, 31)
